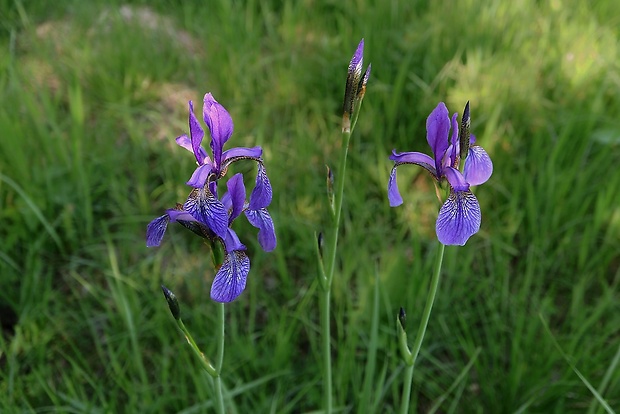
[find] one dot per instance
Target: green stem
(327, 352)
(331, 265)
(204, 361)
(430, 299)
(219, 396)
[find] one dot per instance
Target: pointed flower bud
(464, 133)
(402, 318)
(173, 303)
(319, 242)
(355, 87)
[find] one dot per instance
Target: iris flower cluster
(459, 217)
(211, 216)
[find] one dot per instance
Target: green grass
(90, 104)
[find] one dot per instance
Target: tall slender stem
(325, 296)
(219, 359)
(428, 307)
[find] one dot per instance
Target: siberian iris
(210, 216)
(459, 217)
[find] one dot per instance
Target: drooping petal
(416, 158)
(437, 130)
(200, 175)
(196, 134)
(220, 125)
(236, 153)
(394, 196)
(459, 218)
(261, 219)
(230, 280)
(456, 179)
(179, 215)
(208, 210)
(155, 230)
(236, 195)
(478, 166)
(262, 193)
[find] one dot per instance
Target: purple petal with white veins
(196, 134)
(220, 125)
(208, 210)
(261, 219)
(200, 175)
(478, 166)
(456, 179)
(394, 196)
(437, 130)
(236, 193)
(262, 193)
(459, 218)
(230, 280)
(155, 231)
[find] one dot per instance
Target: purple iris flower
(204, 204)
(459, 217)
(231, 277)
(211, 217)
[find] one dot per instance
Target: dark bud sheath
(464, 133)
(330, 186)
(319, 242)
(173, 303)
(402, 319)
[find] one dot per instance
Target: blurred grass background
(92, 95)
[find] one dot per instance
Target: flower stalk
(410, 357)
(354, 94)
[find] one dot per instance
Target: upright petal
(437, 130)
(261, 219)
(155, 230)
(185, 142)
(230, 280)
(262, 193)
(456, 179)
(394, 196)
(196, 134)
(208, 210)
(478, 166)
(459, 218)
(220, 125)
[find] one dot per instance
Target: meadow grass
(92, 95)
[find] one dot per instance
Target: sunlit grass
(93, 95)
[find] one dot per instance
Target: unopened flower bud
(173, 303)
(464, 133)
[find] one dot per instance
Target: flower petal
(262, 193)
(232, 241)
(236, 153)
(155, 230)
(220, 126)
(185, 142)
(208, 210)
(437, 129)
(234, 199)
(456, 179)
(196, 134)
(261, 219)
(393, 194)
(416, 158)
(230, 280)
(459, 218)
(200, 175)
(478, 166)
